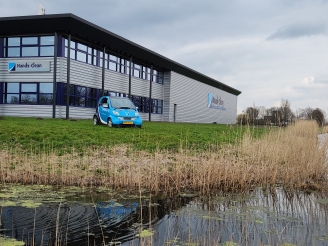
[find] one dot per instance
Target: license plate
(128, 123)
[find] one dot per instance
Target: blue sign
(11, 66)
(216, 103)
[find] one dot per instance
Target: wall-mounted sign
(29, 66)
(216, 103)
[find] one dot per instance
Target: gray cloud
(298, 30)
(225, 40)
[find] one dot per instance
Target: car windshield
(122, 102)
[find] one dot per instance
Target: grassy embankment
(161, 156)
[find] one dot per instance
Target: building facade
(59, 65)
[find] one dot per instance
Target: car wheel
(95, 120)
(109, 122)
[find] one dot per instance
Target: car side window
(104, 100)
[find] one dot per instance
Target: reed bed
(290, 157)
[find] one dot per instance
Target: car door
(103, 111)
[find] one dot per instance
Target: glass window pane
(136, 66)
(82, 47)
(91, 102)
(4, 41)
(72, 54)
(12, 88)
(29, 40)
(71, 100)
(28, 98)
(71, 89)
(122, 69)
(30, 51)
(113, 58)
(11, 98)
(95, 60)
(46, 87)
(136, 73)
(80, 90)
(47, 51)
(112, 66)
(81, 56)
(91, 92)
(13, 41)
(45, 98)
(89, 59)
(29, 88)
(47, 40)
(80, 101)
(13, 52)
(73, 45)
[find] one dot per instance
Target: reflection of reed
(263, 218)
(288, 157)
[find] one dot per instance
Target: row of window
(79, 96)
(28, 46)
(44, 46)
(28, 93)
(90, 55)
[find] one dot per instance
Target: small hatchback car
(117, 111)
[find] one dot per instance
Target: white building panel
(191, 99)
(6, 76)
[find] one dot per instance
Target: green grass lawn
(47, 134)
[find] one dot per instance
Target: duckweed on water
(4, 241)
(145, 233)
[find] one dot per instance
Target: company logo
(11, 66)
(29, 66)
(216, 103)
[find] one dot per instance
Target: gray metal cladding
(166, 96)
(45, 111)
(191, 97)
(6, 76)
(75, 112)
(87, 75)
(22, 110)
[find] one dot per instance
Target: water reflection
(96, 218)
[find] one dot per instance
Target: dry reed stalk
(290, 157)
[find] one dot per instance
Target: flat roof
(91, 33)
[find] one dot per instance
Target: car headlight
(120, 118)
(137, 114)
(133, 118)
(116, 113)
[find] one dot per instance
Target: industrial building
(59, 65)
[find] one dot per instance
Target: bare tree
(252, 114)
(286, 112)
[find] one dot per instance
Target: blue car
(117, 111)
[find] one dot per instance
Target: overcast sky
(268, 49)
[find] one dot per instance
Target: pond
(46, 215)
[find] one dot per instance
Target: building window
(142, 104)
(80, 96)
(82, 53)
(28, 93)
(29, 46)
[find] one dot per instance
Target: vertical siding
(191, 98)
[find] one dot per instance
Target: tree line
(281, 115)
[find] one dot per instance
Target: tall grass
(288, 157)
